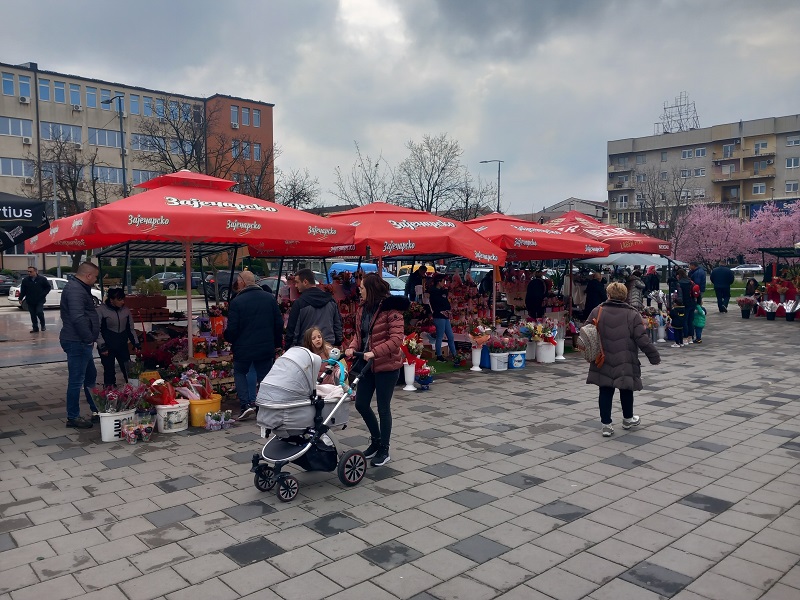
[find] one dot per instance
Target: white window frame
(793, 140)
(759, 146)
(701, 172)
(759, 189)
(687, 153)
(664, 176)
(622, 201)
(728, 150)
(641, 159)
(792, 187)
(663, 156)
(793, 162)
(699, 193)
(699, 152)
(641, 177)
(686, 173)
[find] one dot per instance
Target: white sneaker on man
(608, 430)
(632, 422)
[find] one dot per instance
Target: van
(408, 269)
(352, 267)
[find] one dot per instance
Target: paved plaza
(500, 486)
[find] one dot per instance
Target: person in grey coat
(636, 289)
(622, 334)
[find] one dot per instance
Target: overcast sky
(540, 84)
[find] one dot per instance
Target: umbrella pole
(495, 277)
(128, 266)
(569, 301)
(280, 274)
(189, 332)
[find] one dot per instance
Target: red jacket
(387, 332)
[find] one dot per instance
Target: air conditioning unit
(77, 108)
(770, 162)
(124, 115)
(28, 180)
(125, 152)
(27, 140)
(235, 125)
(77, 147)
(24, 100)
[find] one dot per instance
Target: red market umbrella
(619, 239)
(524, 240)
(391, 230)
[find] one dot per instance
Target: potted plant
(746, 304)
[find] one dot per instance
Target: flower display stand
(545, 352)
(408, 373)
(560, 349)
(516, 360)
(498, 361)
(173, 418)
(111, 424)
(476, 359)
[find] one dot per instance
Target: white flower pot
(111, 424)
(545, 352)
(499, 361)
(408, 373)
(173, 418)
(560, 350)
(476, 359)
(662, 333)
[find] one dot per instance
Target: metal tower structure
(680, 116)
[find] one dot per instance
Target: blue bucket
(516, 360)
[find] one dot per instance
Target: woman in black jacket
(652, 283)
(440, 305)
(116, 329)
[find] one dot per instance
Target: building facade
(739, 166)
(591, 208)
(66, 130)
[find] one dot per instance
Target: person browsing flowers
(440, 305)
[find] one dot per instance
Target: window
(59, 131)
(234, 114)
(759, 188)
(24, 85)
(16, 127)
(699, 152)
(622, 201)
(44, 90)
(699, 193)
(257, 151)
(146, 143)
(686, 173)
(104, 137)
(663, 175)
(119, 102)
(91, 97)
(74, 93)
(142, 176)
(235, 150)
(174, 113)
(791, 187)
(246, 150)
(186, 112)
(257, 119)
(134, 104)
(641, 159)
(160, 108)
(663, 156)
(619, 161)
(791, 140)
(700, 172)
(760, 147)
(727, 150)
(60, 92)
(245, 116)
(16, 167)
(685, 194)
(180, 147)
(641, 177)
(107, 174)
(619, 218)
(687, 153)
(148, 106)
(759, 165)
(105, 95)
(8, 84)
(792, 163)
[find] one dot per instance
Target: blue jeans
(443, 327)
(723, 297)
(252, 380)
(241, 370)
(698, 333)
(82, 374)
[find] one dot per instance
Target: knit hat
(651, 269)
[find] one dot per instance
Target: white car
(748, 269)
(53, 299)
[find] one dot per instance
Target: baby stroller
(299, 413)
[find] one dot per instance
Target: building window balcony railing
(619, 168)
(718, 175)
(620, 185)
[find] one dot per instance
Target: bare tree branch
(368, 181)
(430, 177)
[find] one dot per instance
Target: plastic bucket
(545, 352)
(499, 361)
(516, 360)
(173, 418)
(199, 408)
(111, 424)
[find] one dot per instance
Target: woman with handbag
(440, 305)
(622, 334)
(379, 335)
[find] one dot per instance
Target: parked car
(53, 299)
(397, 287)
(747, 269)
(210, 285)
(179, 281)
(6, 283)
(268, 284)
(163, 276)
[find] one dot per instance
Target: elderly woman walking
(622, 335)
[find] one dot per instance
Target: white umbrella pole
(495, 276)
(188, 268)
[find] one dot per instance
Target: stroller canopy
(292, 378)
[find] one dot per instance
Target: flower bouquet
(412, 348)
(770, 308)
(162, 393)
(424, 375)
(193, 386)
(746, 302)
(499, 345)
(110, 400)
(659, 296)
(478, 335)
(222, 419)
(200, 347)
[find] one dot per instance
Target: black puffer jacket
(622, 334)
(722, 277)
(80, 322)
(314, 308)
(35, 289)
(255, 325)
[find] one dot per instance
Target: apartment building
(739, 166)
(87, 119)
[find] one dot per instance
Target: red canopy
(188, 207)
(391, 230)
(524, 240)
(619, 239)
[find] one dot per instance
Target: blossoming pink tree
(772, 227)
(711, 236)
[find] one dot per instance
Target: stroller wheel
(352, 467)
(287, 488)
(263, 478)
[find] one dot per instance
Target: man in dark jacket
(595, 294)
(255, 331)
(698, 276)
(413, 281)
(314, 308)
(79, 331)
(722, 278)
(34, 288)
(685, 295)
(534, 298)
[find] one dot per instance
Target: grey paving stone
(707, 446)
(240, 458)
(633, 440)
(355, 441)
(656, 579)
(390, 555)
(6, 542)
(499, 427)
(675, 424)
(69, 453)
(470, 498)
(787, 433)
(333, 524)
(492, 410)
(563, 401)
(242, 438)
(429, 434)
(661, 403)
(168, 516)
(248, 511)
(509, 449)
(478, 548)
(55, 441)
(791, 446)
(11, 434)
(442, 470)
(125, 461)
(381, 473)
(564, 447)
(422, 408)
(179, 483)
(771, 402)
(623, 461)
(706, 503)
(742, 414)
(252, 551)
(563, 510)
(521, 480)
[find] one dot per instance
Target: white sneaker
(608, 430)
(632, 422)
(689, 341)
(676, 346)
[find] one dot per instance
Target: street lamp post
(499, 162)
(120, 98)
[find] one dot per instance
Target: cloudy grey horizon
(541, 85)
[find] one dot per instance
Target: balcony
(756, 152)
(732, 155)
(718, 176)
(619, 168)
(619, 185)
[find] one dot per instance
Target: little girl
(313, 340)
(699, 321)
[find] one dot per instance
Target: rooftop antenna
(680, 116)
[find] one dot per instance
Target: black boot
(372, 449)
(382, 457)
